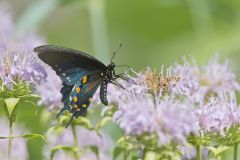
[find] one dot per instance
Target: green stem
(140, 153)
(10, 130)
(99, 29)
(199, 152)
(76, 155)
(235, 152)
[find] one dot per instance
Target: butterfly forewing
(54, 55)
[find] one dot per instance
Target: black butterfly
(81, 75)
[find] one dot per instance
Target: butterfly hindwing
(79, 97)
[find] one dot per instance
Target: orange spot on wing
(78, 89)
(75, 106)
(75, 99)
(84, 79)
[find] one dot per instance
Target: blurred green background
(153, 32)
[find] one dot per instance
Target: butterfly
(81, 75)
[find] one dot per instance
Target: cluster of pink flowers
(17, 60)
(186, 99)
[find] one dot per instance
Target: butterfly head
(111, 66)
(110, 71)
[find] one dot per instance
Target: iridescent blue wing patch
(69, 73)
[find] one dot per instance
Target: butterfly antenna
(114, 53)
(125, 66)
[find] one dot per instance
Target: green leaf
(204, 139)
(102, 123)
(217, 150)
(84, 122)
(55, 130)
(4, 107)
(30, 97)
(121, 140)
(64, 148)
(10, 108)
(35, 136)
(94, 149)
(28, 136)
(135, 158)
(117, 151)
(2, 102)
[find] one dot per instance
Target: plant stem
(10, 130)
(199, 152)
(76, 155)
(140, 153)
(99, 29)
(235, 152)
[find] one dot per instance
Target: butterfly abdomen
(103, 92)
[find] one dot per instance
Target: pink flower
(219, 114)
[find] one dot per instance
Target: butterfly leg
(117, 84)
(122, 77)
(70, 121)
(66, 107)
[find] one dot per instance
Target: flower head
(19, 65)
(136, 115)
(183, 81)
(218, 114)
(171, 120)
(177, 80)
(176, 120)
(215, 78)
